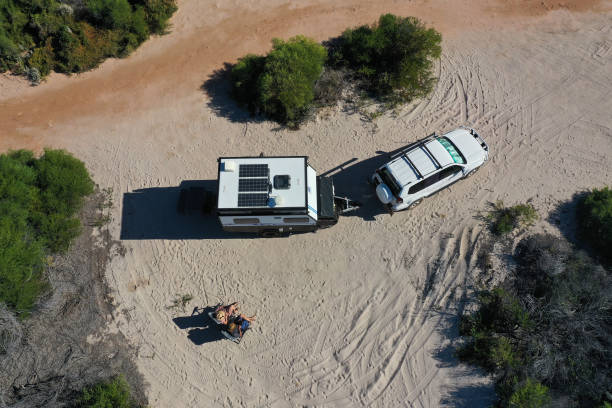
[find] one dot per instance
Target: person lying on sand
(225, 313)
(239, 325)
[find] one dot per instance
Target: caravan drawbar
(276, 196)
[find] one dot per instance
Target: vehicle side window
(434, 178)
(449, 171)
(423, 184)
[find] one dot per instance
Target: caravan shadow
(152, 213)
(203, 330)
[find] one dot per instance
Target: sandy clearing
(362, 314)
(205, 35)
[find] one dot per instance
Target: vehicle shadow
(351, 179)
(203, 330)
(218, 88)
(152, 213)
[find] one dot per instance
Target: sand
(362, 314)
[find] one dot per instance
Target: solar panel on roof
(253, 170)
(253, 184)
(253, 200)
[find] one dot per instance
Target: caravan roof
(262, 182)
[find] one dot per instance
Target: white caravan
(275, 196)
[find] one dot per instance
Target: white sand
(362, 314)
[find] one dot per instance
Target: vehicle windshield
(452, 150)
(390, 181)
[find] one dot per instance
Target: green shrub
(110, 13)
(500, 311)
(157, 14)
(42, 59)
(38, 199)
(245, 77)
(488, 351)
(63, 181)
(530, 395)
(21, 261)
(9, 53)
(66, 41)
(493, 329)
(594, 213)
(110, 394)
(287, 82)
(280, 84)
(394, 57)
(506, 219)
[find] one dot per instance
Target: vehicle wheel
(471, 173)
(417, 202)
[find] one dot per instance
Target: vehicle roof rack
(433, 158)
(411, 146)
(415, 168)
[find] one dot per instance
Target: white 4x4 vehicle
(427, 166)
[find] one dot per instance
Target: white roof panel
(402, 171)
(294, 167)
(439, 152)
(422, 161)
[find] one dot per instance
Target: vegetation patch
(594, 216)
(545, 333)
(38, 200)
(37, 37)
(114, 393)
(281, 84)
(394, 58)
(391, 60)
(504, 220)
(180, 302)
(63, 348)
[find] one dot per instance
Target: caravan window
(296, 220)
(246, 220)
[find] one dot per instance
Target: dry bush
(557, 319)
(11, 332)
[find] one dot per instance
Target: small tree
(394, 57)
(110, 394)
(531, 394)
(287, 83)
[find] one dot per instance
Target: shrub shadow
(218, 89)
(456, 394)
(152, 213)
(203, 330)
(564, 217)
